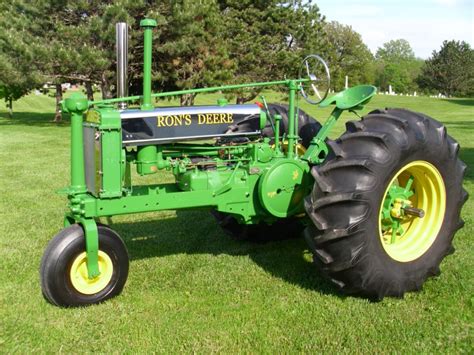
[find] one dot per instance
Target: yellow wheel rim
(80, 280)
(428, 194)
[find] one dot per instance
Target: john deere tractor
(378, 206)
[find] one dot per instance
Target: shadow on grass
(464, 102)
(39, 119)
(195, 232)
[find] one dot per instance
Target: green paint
(147, 25)
(284, 186)
(76, 105)
(110, 130)
(263, 120)
(92, 246)
(226, 178)
(148, 22)
(277, 143)
(292, 136)
(197, 91)
(393, 209)
(147, 160)
(216, 269)
(318, 150)
(353, 98)
(267, 110)
(222, 101)
(252, 181)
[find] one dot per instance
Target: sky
(423, 23)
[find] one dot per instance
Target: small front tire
(63, 271)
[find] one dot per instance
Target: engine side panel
(165, 125)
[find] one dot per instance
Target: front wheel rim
(80, 279)
(416, 186)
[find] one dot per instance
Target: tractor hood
(169, 124)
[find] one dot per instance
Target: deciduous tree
(347, 55)
(396, 65)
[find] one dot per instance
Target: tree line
(205, 43)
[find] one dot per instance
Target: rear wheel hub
(412, 211)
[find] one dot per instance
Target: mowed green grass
(191, 288)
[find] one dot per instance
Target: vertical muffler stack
(121, 37)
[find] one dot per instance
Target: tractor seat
(351, 99)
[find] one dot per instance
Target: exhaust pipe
(121, 38)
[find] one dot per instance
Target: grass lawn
(190, 288)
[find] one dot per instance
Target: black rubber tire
(308, 127)
(59, 255)
(286, 228)
(345, 201)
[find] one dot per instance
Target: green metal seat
(351, 99)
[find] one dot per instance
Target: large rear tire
(363, 237)
(308, 127)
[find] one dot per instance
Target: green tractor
(378, 206)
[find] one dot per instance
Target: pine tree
(450, 70)
(268, 39)
(191, 51)
(17, 71)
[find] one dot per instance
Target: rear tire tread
(339, 251)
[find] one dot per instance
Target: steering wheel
(319, 77)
